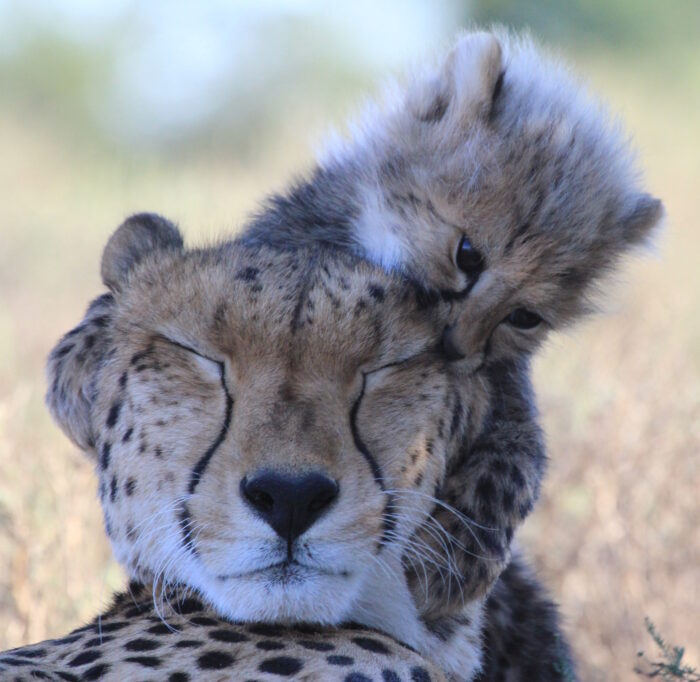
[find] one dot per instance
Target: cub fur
(494, 181)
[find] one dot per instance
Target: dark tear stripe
(184, 516)
(389, 519)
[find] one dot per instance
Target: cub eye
(523, 319)
(469, 260)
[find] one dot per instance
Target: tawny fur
(497, 144)
(500, 144)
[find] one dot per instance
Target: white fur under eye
(209, 368)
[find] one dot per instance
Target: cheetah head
(268, 428)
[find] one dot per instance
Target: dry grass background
(617, 532)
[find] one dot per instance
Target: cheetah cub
(495, 182)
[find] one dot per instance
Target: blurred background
(196, 110)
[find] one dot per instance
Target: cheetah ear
(136, 237)
(72, 369)
(646, 213)
(469, 82)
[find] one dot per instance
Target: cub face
(505, 186)
(268, 427)
(494, 180)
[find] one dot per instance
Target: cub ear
(136, 237)
(72, 370)
(646, 213)
(469, 81)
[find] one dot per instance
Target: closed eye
(210, 366)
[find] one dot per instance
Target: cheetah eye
(469, 260)
(522, 318)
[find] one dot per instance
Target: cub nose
(290, 504)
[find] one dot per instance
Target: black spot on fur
(10, 660)
(269, 645)
(419, 674)
(188, 644)
(485, 489)
(85, 657)
(145, 661)
(247, 274)
(282, 665)
(435, 111)
(204, 620)
(137, 610)
(137, 357)
(97, 641)
(127, 436)
(227, 636)
(110, 627)
(178, 677)
(390, 676)
(105, 455)
(113, 415)
(113, 489)
(370, 644)
(123, 379)
(97, 672)
(316, 646)
(187, 606)
(141, 644)
(266, 630)
(160, 629)
(215, 660)
(129, 487)
(356, 677)
(340, 660)
(377, 292)
(68, 677)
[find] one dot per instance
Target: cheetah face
(269, 427)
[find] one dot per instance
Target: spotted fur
(188, 642)
(500, 144)
(212, 364)
(216, 362)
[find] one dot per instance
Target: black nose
(290, 504)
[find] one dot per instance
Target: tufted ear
(467, 85)
(136, 237)
(645, 214)
(72, 369)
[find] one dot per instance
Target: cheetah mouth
(284, 573)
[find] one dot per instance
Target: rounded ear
(468, 83)
(645, 215)
(136, 237)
